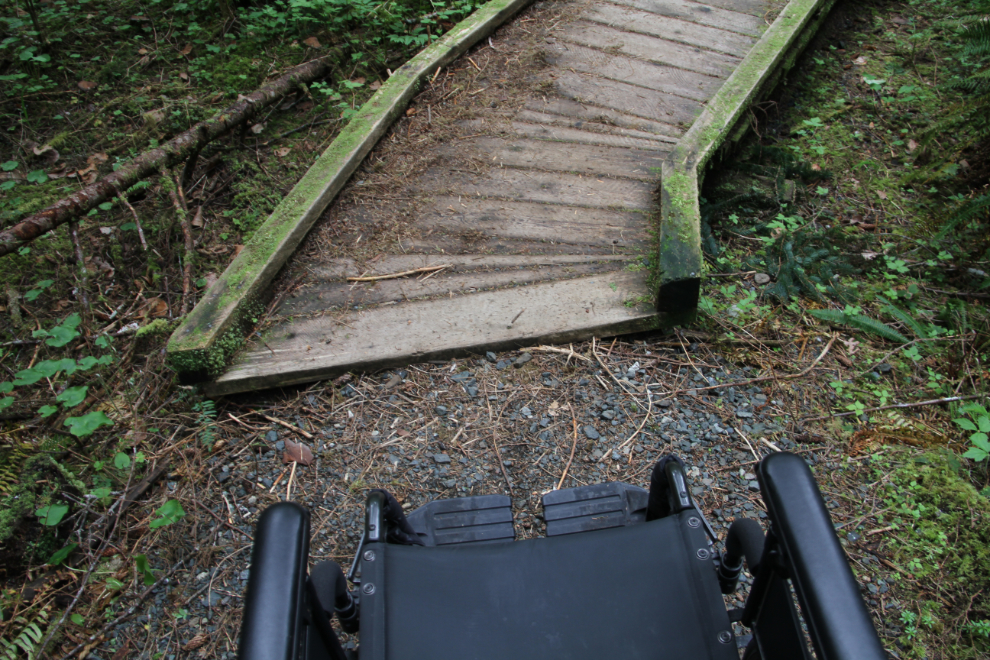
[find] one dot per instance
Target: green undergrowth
(941, 536)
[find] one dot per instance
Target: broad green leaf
(170, 512)
(980, 440)
(121, 460)
(6, 402)
(61, 555)
(87, 363)
(27, 377)
(6, 387)
(72, 396)
(60, 335)
(965, 424)
(105, 359)
(9, 165)
(141, 562)
(52, 515)
(100, 493)
(78, 619)
(37, 176)
(984, 424)
(47, 411)
(977, 454)
(88, 423)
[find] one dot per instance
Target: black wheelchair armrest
(272, 627)
(838, 621)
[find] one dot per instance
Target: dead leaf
(142, 51)
(305, 106)
(89, 177)
(860, 61)
(375, 85)
(197, 220)
(283, 152)
(257, 128)
(410, 112)
(846, 362)
(298, 452)
(153, 117)
(184, 76)
(312, 42)
(359, 81)
(210, 278)
(86, 85)
(187, 49)
(155, 308)
(964, 164)
(198, 640)
(851, 345)
(869, 256)
(912, 145)
(881, 194)
(46, 153)
(816, 167)
(237, 249)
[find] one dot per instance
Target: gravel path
(500, 423)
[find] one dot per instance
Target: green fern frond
(908, 320)
(977, 38)
(860, 322)
(969, 210)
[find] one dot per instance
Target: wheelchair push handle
(838, 621)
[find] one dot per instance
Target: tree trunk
(169, 154)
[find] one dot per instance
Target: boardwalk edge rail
(722, 124)
(204, 342)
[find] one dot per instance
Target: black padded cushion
(627, 592)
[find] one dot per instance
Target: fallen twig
(573, 448)
(126, 614)
(569, 353)
(169, 154)
(392, 276)
(916, 404)
(305, 434)
(137, 221)
(753, 381)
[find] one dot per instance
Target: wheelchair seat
(621, 573)
(631, 592)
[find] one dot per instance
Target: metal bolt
(725, 637)
(693, 522)
(368, 589)
(369, 555)
(703, 554)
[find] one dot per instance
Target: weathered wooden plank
(672, 29)
(546, 187)
(601, 116)
(572, 225)
(702, 14)
(627, 98)
(547, 130)
(660, 77)
(529, 118)
(206, 338)
(651, 49)
(590, 159)
(322, 347)
(339, 269)
(752, 7)
(335, 296)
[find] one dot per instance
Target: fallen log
(171, 153)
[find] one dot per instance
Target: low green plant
(977, 421)
(860, 322)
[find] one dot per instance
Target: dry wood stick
(83, 273)
(173, 152)
(392, 276)
(305, 434)
(187, 257)
(137, 221)
(761, 379)
(573, 448)
(916, 404)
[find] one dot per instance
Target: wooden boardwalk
(531, 183)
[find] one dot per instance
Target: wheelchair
(621, 573)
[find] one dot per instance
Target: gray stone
(591, 433)
(761, 279)
(441, 458)
(272, 436)
(280, 445)
(491, 357)
(522, 359)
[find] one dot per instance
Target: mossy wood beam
(202, 345)
(721, 123)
